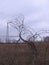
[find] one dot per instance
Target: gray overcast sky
(36, 12)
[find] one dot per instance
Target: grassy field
(22, 54)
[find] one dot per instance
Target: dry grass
(21, 54)
(15, 54)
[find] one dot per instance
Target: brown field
(22, 54)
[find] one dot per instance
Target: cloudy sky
(36, 12)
